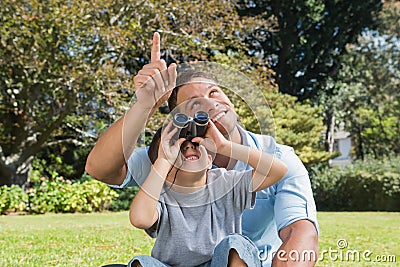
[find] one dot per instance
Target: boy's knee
(234, 259)
(136, 263)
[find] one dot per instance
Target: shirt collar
(247, 140)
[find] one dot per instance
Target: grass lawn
(103, 238)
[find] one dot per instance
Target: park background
(325, 67)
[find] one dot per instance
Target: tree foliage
(290, 122)
(50, 70)
(389, 18)
(367, 102)
(309, 36)
(66, 67)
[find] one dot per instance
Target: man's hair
(182, 79)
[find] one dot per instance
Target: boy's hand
(154, 82)
(169, 148)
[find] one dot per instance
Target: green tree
(305, 46)
(367, 96)
(52, 68)
(389, 18)
(266, 110)
(66, 67)
(368, 103)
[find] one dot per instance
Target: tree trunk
(330, 129)
(5, 175)
(16, 173)
(360, 153)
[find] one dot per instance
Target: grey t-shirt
(191, 225)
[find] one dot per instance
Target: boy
(192, 209)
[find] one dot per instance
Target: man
(283, 222)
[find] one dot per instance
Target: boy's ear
(210, 160)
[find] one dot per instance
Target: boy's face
(190, 151)
(194, 157)
(203, 94)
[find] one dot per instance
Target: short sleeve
(153, 230)
(139, 167)
(241, 184)
(294, 198)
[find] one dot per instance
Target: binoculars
(191, 127)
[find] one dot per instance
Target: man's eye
(195, 104)
(214, 92)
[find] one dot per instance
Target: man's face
(203, 94)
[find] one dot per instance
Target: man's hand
(214, 141)
(154, 82)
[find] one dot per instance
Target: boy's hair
(182, 79)
(154, 146)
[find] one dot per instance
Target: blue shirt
(276, 207)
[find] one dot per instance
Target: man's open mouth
(219, 116)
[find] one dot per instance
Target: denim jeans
(246, 249)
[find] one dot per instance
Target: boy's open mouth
(190, 151)
(191, 157)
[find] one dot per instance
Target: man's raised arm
(153, 83)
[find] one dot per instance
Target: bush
(57, 195)
(123, 202)
(371, 185)
(12, 199)
(61, 195)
